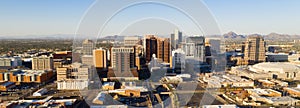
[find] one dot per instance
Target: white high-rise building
(215, 44)
(178, 59)
(176, 39)
(195, 48)
(87, 47)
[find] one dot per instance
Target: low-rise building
(108, 86)
(40, 92)
(130, 91)
(100, 99)
(264, 92)
(294, 57)
(72, 84)
(75, 71)
(4, 86)
(293, 91)
(280, 83)
(42, 63)
(10, 61)
(266, 83)
(218, 81)
(171, 80)
(282, 101)
(47, 102)
(219, 106)
(280, 57)
(26, 76)
(108, 106)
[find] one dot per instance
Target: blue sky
(47, 17)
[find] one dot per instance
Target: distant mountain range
(271, 36)
(230, 35)
(233, 35)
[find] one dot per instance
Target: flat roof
(108, 84)
(295, 89)
(284, 98)
(26, 72)
(7, 83)
(263, 91)
(142, 89)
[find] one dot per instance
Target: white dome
(274, 67)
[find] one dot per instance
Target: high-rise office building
(42, 63)
(178, 60)
(150, 44)
(255, 49)
(87, 59)
(163, 49)
(215, 44)
(195, 48)
(158, 46)
(122, 59)
(87, 47)
(100, 58)
(176, 39)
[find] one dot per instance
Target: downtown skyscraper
(176, 39)
(195, 47)
(254, 49)
(158, 46)
(87, 47)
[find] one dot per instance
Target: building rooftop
(295, 89)
(6, 83)
(108, 84)
(101, 96)
(261, 92)
(266, 81)
(276, 54)
(72, 80)
(63, 52)
(140, 88)
(26, 72)
(279, 99)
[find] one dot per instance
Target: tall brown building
(158, 46)
(163, 49)
(254, 49)
(150, 46)
(100, 58)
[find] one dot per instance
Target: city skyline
(149, 53)
(28, 18)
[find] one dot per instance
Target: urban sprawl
(153, 71)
